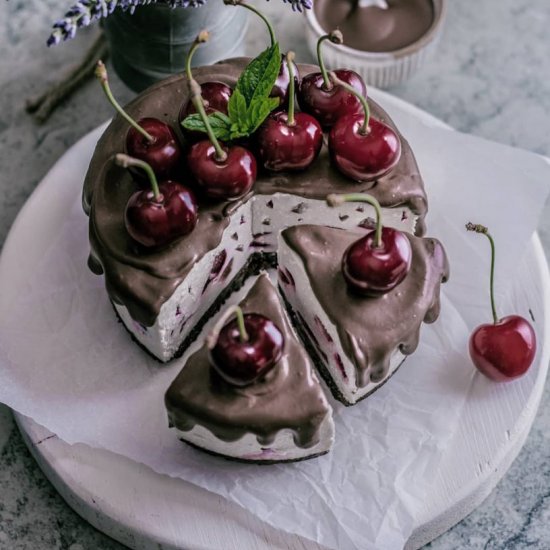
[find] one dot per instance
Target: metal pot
(152, 43)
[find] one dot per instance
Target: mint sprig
(249, 104)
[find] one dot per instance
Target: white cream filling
(248, 447)
(303, 300)
(262, 225)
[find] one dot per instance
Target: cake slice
(281, 416)
(357, 342)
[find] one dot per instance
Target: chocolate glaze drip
(143, 280)
(371, 28)
(370, 329)
(288, 397)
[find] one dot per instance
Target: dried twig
(42, 106)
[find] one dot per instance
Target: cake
(335, 203)
(164, 297)
(281, 417)
(357, 342)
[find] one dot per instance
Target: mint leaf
(237, 107)
(249, 104)
(219, 122)
(260, 75)
(259, 110)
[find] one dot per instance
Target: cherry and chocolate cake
(161, 294)
(210, 177)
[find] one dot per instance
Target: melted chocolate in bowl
(368, 26)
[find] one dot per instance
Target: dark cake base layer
(318, 361)
(245, 461)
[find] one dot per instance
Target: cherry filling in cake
(256, 400)
(164, 295)
(358, 341)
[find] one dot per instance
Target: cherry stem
(477, 228)
(364, 130)
(196, 97)
(101, 75)
(212, 338)
(202, 37)
(126, 162)
(336, 37)
(258, 13)
(291, 121)
(338, 200)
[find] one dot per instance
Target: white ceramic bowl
(379, 69)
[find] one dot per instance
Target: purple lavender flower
(85, 12)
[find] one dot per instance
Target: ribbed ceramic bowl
(385, 69)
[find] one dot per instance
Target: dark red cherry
(215, 96)
(504, 350)
(327, 105)
(155, 222)
(226, 179)
(163, 153)
(149, 140)
(289, 147)
(371, 270)
(242, 362)
(363, 156)
(281, 86)
(288, 140)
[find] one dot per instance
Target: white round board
(145, 510)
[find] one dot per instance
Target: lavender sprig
(85, 12)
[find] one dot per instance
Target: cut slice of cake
(282, 415)
(357, 342)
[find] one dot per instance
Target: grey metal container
(152, 43)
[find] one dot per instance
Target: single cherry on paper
(362, 147)
(504, 349)
(288, 140)
(245, 348)
(281, 88)
(160, 215)
(148, 139)
(215, 95)
(222, 172)
(379, 261)
(322, 99)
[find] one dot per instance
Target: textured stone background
(490, 78)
